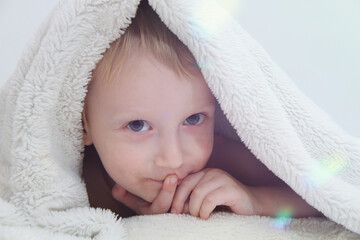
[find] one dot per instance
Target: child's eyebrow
(207, 104)
(128, 114)
(131, 114)
(204, 108)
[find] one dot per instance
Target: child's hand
(201, 192)
(161, 204)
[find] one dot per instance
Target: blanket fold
(42, 194)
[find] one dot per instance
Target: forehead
(145, 81)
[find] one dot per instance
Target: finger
(183, 191)
(213, 199)
(163, 201)
(186, 208)
(133, 202)
(237, 201)
(207, 184)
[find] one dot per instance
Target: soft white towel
(42, 195)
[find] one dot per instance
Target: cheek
(123, 162)
(201, 147)
(205, 149)
(206, 139)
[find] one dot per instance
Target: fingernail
(173, 180)
(173, 210)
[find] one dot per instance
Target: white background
(317, 42)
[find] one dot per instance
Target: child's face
(150, 122)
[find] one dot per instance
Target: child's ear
(86, 134)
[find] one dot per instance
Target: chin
(148, 194)
(151, 196)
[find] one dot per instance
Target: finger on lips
(171, 181)
(163, 201)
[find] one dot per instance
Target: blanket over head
(42, 194)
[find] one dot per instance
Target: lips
(162, 181)
(179, 181)
(157, 181)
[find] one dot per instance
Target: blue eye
(138, 126)
(195, 119)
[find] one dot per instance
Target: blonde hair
(146, 31)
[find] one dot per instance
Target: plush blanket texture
(42, 195)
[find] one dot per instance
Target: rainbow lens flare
(327, 168)
(210, 16)
(282, 218)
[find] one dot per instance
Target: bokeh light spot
(324, 170)
(282, 218)
(210, 16)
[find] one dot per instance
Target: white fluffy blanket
(42, 195)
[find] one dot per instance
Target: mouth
(156, 181)
(179, 181)
(162, 181)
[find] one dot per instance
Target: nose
(170, 152)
